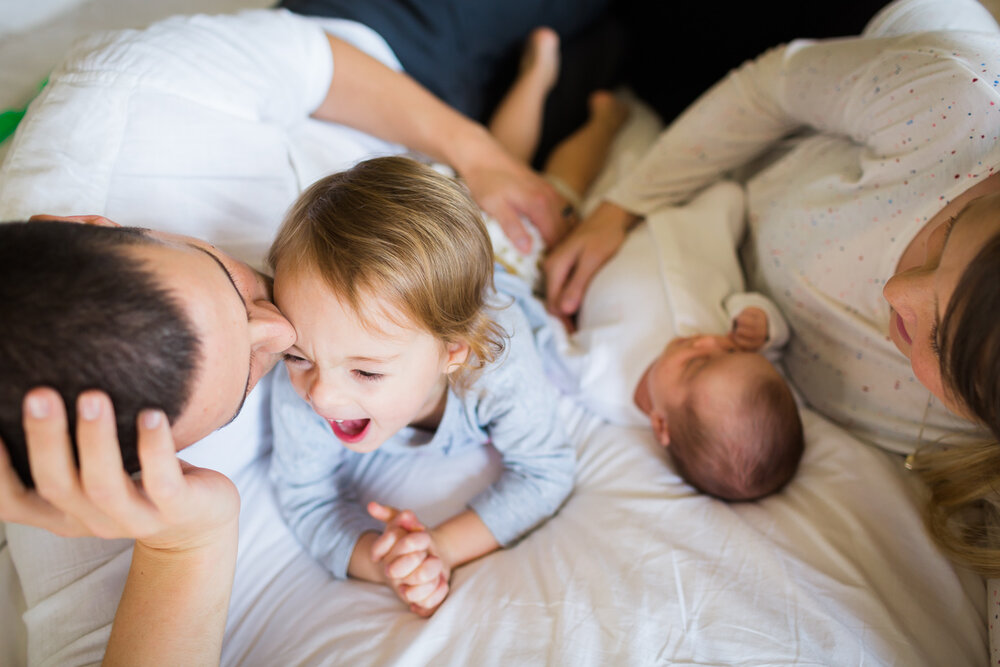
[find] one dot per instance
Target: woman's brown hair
(964, 507)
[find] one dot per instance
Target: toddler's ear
(659, 423)
(458, 354)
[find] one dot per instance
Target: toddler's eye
(368, 377)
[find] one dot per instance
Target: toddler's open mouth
(349, 430)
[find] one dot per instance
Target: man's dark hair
(78, 312)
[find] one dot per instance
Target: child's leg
(517, 121)
(577, 160)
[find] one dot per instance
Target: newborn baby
(667, 337)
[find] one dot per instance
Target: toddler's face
(705, 369)
(366, 383)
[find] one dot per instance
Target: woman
(888, 188)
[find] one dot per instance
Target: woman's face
(919, 296)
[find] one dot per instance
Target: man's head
(727, 416)
(151, 319)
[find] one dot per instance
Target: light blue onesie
(510, 406)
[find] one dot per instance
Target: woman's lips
(350, 430)
(902, 330)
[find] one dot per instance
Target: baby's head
(384, 270)
(727, 417)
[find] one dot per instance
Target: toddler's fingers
(403, 566)
(384, 543)
(383, 513)
(408, 520)
(429, 605)
(429, 570)
(417, 594)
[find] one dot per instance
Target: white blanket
(635, 569)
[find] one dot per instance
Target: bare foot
(607, 109)
(540, 60)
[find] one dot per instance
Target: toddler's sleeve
(518, 407)
(311, 473)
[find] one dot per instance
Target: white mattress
(635, 568)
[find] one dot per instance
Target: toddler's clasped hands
(410, 558)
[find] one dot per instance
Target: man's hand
(749, 331)
(572, 264)
(175, 507)
(410, 560)
(509, 191)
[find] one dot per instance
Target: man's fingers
(21, 505)
(544, 210)
(50, 451)
(104, 480)
(162, 475)
(513, 227)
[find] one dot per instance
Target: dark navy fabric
(467, 51)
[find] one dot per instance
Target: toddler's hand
(410, 560)
(749, 329)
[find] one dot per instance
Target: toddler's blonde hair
(396, 229)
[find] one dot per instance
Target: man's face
(241, 332)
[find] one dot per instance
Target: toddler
(385, 271)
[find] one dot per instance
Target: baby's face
(705, 369)
(367, 383)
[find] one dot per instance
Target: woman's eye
(292, 359)
(368, 377)
(935, 345)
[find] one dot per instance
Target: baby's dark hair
(748, 453)
(79, 312)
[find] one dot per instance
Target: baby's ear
(659, 423)
(458, 354)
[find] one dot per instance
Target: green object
(10, 118)
(8, 123)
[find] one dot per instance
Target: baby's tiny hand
(750, 329)
(409, 557)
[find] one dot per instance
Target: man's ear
(97, 220)
(458, 354)
(659, 423)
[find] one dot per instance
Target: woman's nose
(908, 292)
(270, 332)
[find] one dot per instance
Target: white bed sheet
(635, 569)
